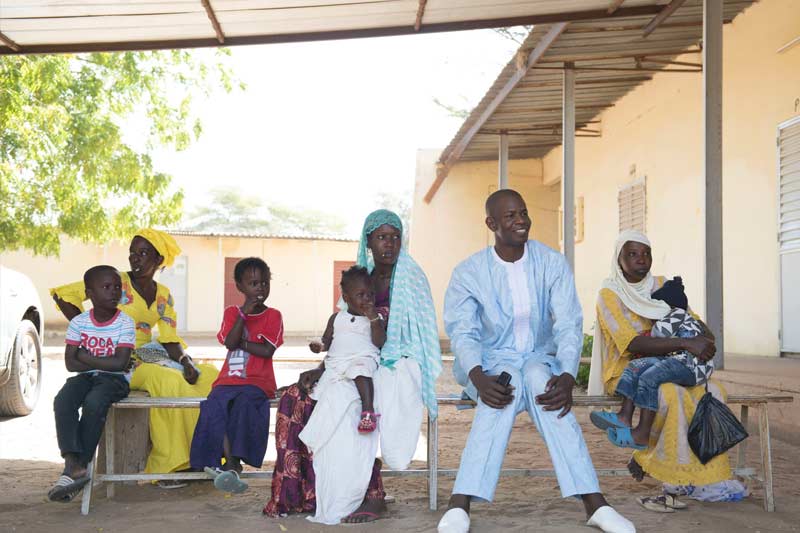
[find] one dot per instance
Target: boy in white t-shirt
(99, 344)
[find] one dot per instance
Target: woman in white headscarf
(625, 315)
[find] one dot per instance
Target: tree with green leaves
(67, 165)
(230, 210)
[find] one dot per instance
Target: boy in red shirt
(234, 419)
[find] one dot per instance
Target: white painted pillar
(568, 165)
(502, 167)
(712, 115)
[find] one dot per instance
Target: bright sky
(327, 125)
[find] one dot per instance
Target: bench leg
(110, 429)
(433, 461)
(742, 456)
(86, 500)
(766, 457)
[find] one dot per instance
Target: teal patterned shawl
(412, 330)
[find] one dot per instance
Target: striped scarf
(412, 330)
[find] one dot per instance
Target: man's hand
(190, 373)
(558, 394)
(701, 347)
(491, 392)
(309, 378)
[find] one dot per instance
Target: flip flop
(66, 488)
(361, 513)
(229, 481)
(622, 437)
(657, 504)
(212, 472)
(672, 501)
(605, 420)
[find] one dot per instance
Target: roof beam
(406, 29)
(661, 17)
(9, 43)
(536, 54)
(615, 4)
(420, 14)
(214, 22)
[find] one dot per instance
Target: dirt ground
(29, 463)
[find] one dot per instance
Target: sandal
(368, 422)
(229, 481)
(606, 419)
(657, 504)
(622, 437)
(67, 488)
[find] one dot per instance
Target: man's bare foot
(640, 436)
(636, 471)
(625, 417)
(369, 511)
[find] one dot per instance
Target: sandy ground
(30, 463)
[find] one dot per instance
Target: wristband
(184, 356)
(379, 317)
(241, 313)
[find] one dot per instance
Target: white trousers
(343, 457)
(398, 399)
(486, 445)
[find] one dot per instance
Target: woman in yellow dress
(150, 305)
(625, 315)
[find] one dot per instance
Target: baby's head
(672, 293)
(252, 276)
(103, 287)
(357, 289)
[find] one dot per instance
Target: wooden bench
(432, 470)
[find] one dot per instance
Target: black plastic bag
(714, 429)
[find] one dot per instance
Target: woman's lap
(171, 430)
(668, 457)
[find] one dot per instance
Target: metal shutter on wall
(789, 233)
(789, 168)
(632, 201)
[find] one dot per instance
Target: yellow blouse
(160, 314)
(619, 326)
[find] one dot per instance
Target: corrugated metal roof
(38, 26)
(532, 111)
(255, 235)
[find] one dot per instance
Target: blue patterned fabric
(412, 330)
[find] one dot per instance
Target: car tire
(19, 395)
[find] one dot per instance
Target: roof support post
(712, 132)
(502, 159)
(568, 165)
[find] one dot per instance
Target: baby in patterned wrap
(679, 323)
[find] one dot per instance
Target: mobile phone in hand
(504, 379)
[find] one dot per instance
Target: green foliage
(229, 210)
(588, 342)
(582, 380)
(65, 166)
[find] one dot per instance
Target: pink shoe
(369, 422)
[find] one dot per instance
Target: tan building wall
(451, 227)
(655, 132)
(302, 275)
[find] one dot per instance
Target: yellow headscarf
(164, 243)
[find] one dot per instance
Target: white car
(21, 328)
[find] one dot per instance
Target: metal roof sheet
(39, 26)
(531, 113)
(256, 235)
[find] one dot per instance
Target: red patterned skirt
(293, 478)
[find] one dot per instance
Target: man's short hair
(91, 275)
(491, 202)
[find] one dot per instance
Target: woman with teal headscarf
(405, 381)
